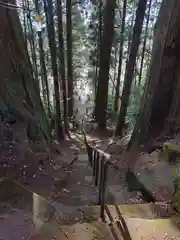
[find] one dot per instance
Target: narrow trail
(50, 189)
(116, 191)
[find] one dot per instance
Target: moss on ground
(171, 147)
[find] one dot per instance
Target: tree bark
(52, 45)
(18, 89)
(62, 63)
(114, 70)
(32, 44)
(160, 111)
(130, 36)
(45, 86)
(24, 23)
(116, 101)
(130, 66)
(100, 111)
(69, 57)
(144, 43)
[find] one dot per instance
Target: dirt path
(67, 190)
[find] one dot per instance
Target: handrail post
(94, 162)
(101, 181)
(99, 163)
(97, 170)
(103, 188)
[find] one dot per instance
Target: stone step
(139, 222)
(153, 229)
(78, 231)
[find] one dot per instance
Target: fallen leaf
(65, 190)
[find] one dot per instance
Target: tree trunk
(116, 101)
(114, 70)
(52, 45)
(144, 43)
(130, 66)
(18, 88)
(44, 76)
(32, 44)
(69, 57)
(45, 86)
(130, 36)
(62, 62)
(98, 42)
(105, 55)
(160, 109)
(24, 24)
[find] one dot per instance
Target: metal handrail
(99, 161)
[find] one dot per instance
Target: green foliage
(85, 34)
(80, 45)
(93, 35)
(175, 202)
(133, 107)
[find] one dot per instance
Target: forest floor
(154, 172)
(62, 176)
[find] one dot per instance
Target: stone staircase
(123, 222)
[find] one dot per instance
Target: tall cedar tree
(100, 111)
(128, 78)
(32, 42)
(52, 45)
(144, 42)
(69, 56)
(45, 86)
(116, 101)
(160, 111)
(18, 89)
(62, 62)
